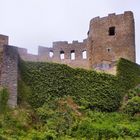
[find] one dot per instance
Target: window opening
(62, 55)
(112, 31)
(72, 55)
(51, 54)
(84, 54)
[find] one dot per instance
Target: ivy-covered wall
(48, 81)
(129, 73)
(42, 81)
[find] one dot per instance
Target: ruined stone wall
(103, 46)
(75, 48)
(9, 72)
(26, 56)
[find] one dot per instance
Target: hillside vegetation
(57, 102)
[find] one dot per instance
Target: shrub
(134, 92)
(106, 126)
(132, 106)
(58, 116)
(2, 138)
(3, 99)
(24, 92)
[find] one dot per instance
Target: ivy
(129, 73)
(48, 81)
(3, 99)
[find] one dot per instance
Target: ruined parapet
(111, 37)
(66, 53)
(9, 72)
(60, 43)
(24, 55)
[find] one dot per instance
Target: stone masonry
(109, 38)
(9, 70)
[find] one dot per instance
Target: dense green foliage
(131, 103)
(133, 106)
(60, 122)
(104, 126)
(3, 99)
(129, 73)
(55, 103)
(89, 88)
(133, 92)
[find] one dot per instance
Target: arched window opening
(62, 55)
(84, 54)
(51, 54)
(72, 55)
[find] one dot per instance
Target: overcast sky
(30, 23)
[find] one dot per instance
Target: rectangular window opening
(111, 31)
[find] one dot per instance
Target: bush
(106, 126)
(3, 99)
(133, 92)
(2, 138)
(58, 116)
(24, 92)
(132, 106)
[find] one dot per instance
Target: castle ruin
(109, 38)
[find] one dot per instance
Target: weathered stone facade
(71, 53)
(109, 38)
(9, 70)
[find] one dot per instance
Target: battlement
(112, 15)
(128, 13)
(22, 51)
(59, 43)
(4, 40)
(65, 43)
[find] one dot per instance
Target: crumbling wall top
(59, 43)
(4, 40)
(126, 13)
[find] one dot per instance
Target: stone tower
(110, 38)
